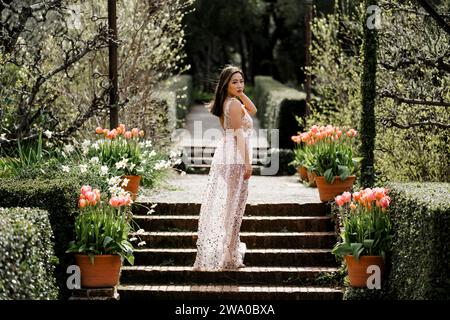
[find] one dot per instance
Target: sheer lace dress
(223, 202)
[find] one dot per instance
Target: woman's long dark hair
(216, 106)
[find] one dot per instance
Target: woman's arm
(248, 104)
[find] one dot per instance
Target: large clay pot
(303, 173)
(133, 185)
(104, 272)
(357, 270)
(327, 191)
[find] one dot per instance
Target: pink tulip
(379, 193)
(347, 196)
(314, 129)
(135, 132)
(352, 206)
(97, 194)
(339, 201)
(385, 201)
(82, 203)
(99, 130)
(90, 196)
(85, 189)
(115, 202)
(128, 135)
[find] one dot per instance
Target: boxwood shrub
(277, 106)
(420, 257)
(27, 258)
(59, 198)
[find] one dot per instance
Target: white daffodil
(142, 243)
(94, 160)
(68, 148)
(66, 169)
(125, 182)
(83, 168)
(104, 170)
(48, 133)
(114, 181)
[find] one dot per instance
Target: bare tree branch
(399, 99)
(439, 20)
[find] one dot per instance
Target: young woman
(225, 197)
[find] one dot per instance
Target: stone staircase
(288, 255)
(197, 159)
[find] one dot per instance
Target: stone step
(264, 292)
(204, 169)
(260, 209)
(208, 151)
(191, 162)
(250, 223)
(253, 257)
(243, 276)
(300, 240)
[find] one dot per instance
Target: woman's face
(236, 85)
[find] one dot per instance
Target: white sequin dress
(224, 200)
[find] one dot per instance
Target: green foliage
(420, 252)
(26, 255)
(421, 246)
(407, 68)
(367, 227)
(183, 90)
(103, 230)
(59, 197)
(277, 107)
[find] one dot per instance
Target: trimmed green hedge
(420, 259)
(59, 197)
(277, 107)
(26, 255)
(178, 93)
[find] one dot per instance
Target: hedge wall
(59, 197)
(178, 94)
(26, 255)
(277, 107)
(420, 258)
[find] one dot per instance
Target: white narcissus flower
(48, 133)
(140, 231)
(114, 181)
(125, 182)
(83, 168)
(65, 168)
(132, 165)
(142, 243)
(94, 160)
(96, 146)
(152, 153)
(104, 170)
(69, 148)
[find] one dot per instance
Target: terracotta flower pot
(357, 270)
(133, 185)
(312, 178)
(327, 191)
(104, 272)
(303, 173)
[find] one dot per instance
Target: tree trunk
(368, 95)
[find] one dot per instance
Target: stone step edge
(243, 234)
(248, 251)
(196, 217)
(148, 268)
(227, 288)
